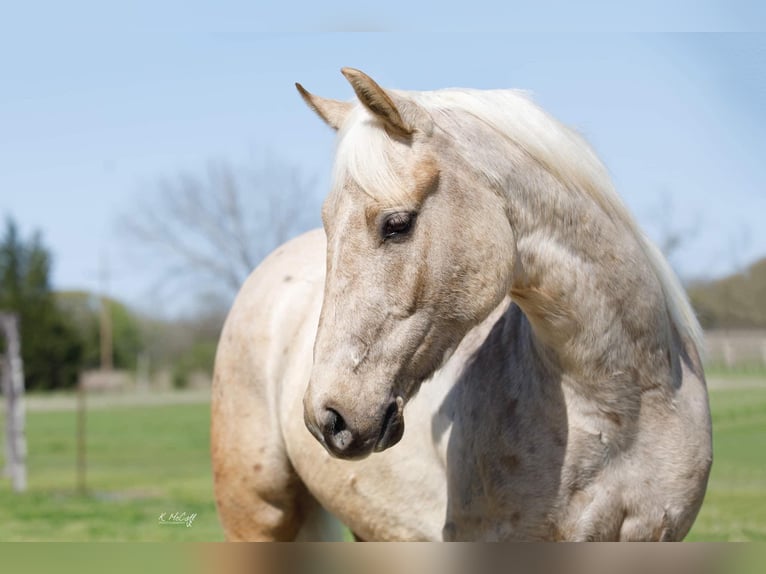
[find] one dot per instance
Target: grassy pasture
(145, 460)
(735, 504)
(142, 461)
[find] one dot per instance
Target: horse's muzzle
(343, 441)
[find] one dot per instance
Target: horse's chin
(388, 438)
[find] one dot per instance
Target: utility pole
(107, 364)
(107, 349)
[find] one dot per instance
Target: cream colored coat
(437, 408)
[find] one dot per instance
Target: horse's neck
(594, 302)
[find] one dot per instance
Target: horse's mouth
(393, 426)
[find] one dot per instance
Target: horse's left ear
(333, 112)
(402, 116)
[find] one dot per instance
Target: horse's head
(419, 249)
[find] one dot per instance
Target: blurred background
(151, 156)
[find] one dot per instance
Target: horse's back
(265, 341)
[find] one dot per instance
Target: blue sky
(97, 105)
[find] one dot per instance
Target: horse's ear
(403, 117)
(333, 112)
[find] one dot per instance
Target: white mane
(564, 153)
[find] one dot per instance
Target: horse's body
(578, 411)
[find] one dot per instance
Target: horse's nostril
(336, 422)
(337, 435)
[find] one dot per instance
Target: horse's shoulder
(287, 280)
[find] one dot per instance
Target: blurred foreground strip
(382, 558)
(97, 558)
(461, 558)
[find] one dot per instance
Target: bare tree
(217, 226)
(672, 237)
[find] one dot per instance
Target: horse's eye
(397, 224)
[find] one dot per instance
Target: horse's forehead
(400, 186)
(370, 160)
(344, 199)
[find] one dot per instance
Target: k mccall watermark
(177, 518)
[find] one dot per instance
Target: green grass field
(142, 462)
(147, 460)
(735, 504)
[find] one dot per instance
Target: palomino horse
(481, 281)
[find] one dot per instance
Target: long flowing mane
(560, 150)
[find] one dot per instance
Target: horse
(478, 278)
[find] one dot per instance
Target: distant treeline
(61, 332)
(737, 301)
(180, 346)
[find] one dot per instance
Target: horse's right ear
(333, 112)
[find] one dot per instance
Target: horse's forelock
(368, 155)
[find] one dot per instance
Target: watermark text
(177, 518)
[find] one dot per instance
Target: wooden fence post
(5, 382)
(82, 461)
(13, 388)
(728, 353)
